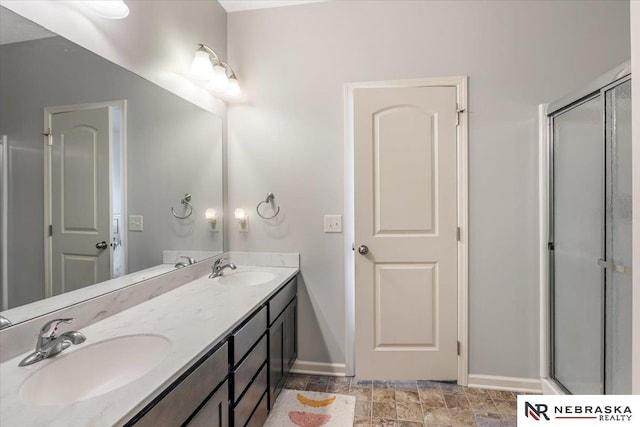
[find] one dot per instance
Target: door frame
(545, 213)
(461, 84)
(48, 113)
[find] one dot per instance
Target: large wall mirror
(122, 186)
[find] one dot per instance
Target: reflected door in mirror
(80, 198)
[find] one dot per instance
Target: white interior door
(405, 215)
(80, 165)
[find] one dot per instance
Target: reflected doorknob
(363, 249)
(101, 245)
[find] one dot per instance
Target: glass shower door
(618, 240)
(590, 249)
(578, 238)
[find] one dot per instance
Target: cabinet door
(276, 359)
(290, 336)
(214, 413)
(187, 394)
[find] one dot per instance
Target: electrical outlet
(333, 223)
(135, 222)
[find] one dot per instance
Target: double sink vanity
(210, 352)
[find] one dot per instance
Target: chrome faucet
(51, 344)
(218, 267)
(181, 264)
(4, 322)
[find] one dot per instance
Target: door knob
(101, 245)
(363, 249)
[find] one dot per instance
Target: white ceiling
(14, 28)
(239, 5)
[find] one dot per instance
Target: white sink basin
(94, 369)
(247, 278)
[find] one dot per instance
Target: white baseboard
(494, 382)
(319, 368)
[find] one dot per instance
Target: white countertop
(194, 317)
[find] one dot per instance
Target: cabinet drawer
(280, 300)
(184, 399)
(249, 401)
(215, 413)
(259, 416)
(247, 369)
(245, 337)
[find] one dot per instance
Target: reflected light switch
(135, 222)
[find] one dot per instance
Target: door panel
(411, 211)
(77, 271)
(80, 194)
(619, 213)
(578, 221)
(79, 161)
(405, 295)
(406, 214)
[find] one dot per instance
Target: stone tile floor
(416, 403)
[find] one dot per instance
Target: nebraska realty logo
(578, 410)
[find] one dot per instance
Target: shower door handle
(617, 267)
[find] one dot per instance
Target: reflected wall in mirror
(119, 154)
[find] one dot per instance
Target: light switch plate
(135, 222)
(333, 223)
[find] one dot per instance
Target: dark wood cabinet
(276, 359)
(283, 345)
(237, 382)
(215, 411)
(290, 335)
(182, 399)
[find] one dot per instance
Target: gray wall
(293, 62)
(174, 147)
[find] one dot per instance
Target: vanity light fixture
(242, 219)
(207, 65)
(110, 9)
(212, 218)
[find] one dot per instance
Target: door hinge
(459, 110)
(458, 234)
(49, 136)
(50, 230)
(551, 246)
(458, 348)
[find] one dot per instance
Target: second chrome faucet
(217, 269)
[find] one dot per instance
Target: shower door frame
(547, 113)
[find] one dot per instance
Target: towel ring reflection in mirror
(188, 210)
(268, 201)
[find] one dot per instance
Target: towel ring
(185, 201)
(268, 200)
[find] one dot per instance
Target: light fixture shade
(201, 67)
(239, 214)
(219, 80)
(110, 9)
(234, 88)
(210, 214)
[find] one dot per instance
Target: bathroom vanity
(238, 381)
(231, 344)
